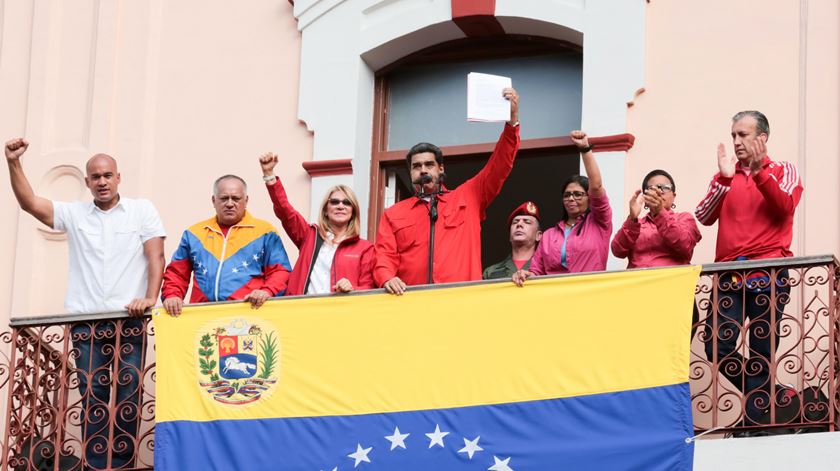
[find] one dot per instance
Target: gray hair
(761, 123)
(228, 177)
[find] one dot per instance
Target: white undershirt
(319, 279)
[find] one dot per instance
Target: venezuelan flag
(568, 373)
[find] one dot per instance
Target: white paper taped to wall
(485, 102)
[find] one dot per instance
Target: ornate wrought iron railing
(764, 346)
(78, 392)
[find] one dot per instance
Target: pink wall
(707, 60)
(179, 92)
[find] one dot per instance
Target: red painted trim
(320, 168)
(619, 142)
(616, 143)
(476, 18)
(461, 8)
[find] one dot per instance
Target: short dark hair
(228, 177)
(422, 148)
(761, 123)
(658, 172)
(580, 180)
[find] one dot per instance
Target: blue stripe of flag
(639, 429)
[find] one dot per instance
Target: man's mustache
(426, 179)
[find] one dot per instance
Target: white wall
(808, 452)
(344, 43)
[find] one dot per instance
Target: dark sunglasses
(336, 201)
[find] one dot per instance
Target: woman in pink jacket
(662, 237)
(332, 258)
(580, 241)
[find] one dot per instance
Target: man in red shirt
(753, 199)
(402, 241)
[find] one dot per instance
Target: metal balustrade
(78, 391)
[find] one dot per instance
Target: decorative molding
(462, 8)
(308, 13)
(479, 26)
(52, 234)
(321, 168)
(635, 96)
(476, 18)
(53, 175)
(614, 143)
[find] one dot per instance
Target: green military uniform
(503, 269)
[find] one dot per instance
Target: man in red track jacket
(753, 198)
(402, 242)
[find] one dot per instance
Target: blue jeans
(103, 373)
(738, 301)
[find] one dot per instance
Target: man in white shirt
(116, 262)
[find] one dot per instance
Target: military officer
(525, 233)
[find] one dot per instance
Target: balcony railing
(74, 387)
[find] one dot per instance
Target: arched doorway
(422, 97)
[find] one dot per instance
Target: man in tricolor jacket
(232, 255)
(753, 199)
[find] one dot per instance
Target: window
(423, 98)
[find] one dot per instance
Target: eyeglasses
(336, 202)
(663, 188)
(573, 195)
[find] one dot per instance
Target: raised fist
(268, 161)
(580, 139)
(15, 148)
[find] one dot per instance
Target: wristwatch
(585, 149)
(269, 178)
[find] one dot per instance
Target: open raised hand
(726, 162)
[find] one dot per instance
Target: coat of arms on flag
(238, 361)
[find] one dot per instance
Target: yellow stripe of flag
(450, 347)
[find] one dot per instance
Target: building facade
(181, 93)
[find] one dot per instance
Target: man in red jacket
(753, 199)
(402, 242)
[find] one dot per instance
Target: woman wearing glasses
(579, 242)
(662, 237)
(332, 258)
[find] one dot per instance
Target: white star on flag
(470, 447)
(436, 437)
(256, 258)
(334, 469)
(360, 454)
(245, 263)
(500, 465)
(235, 270)
(397, 439)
